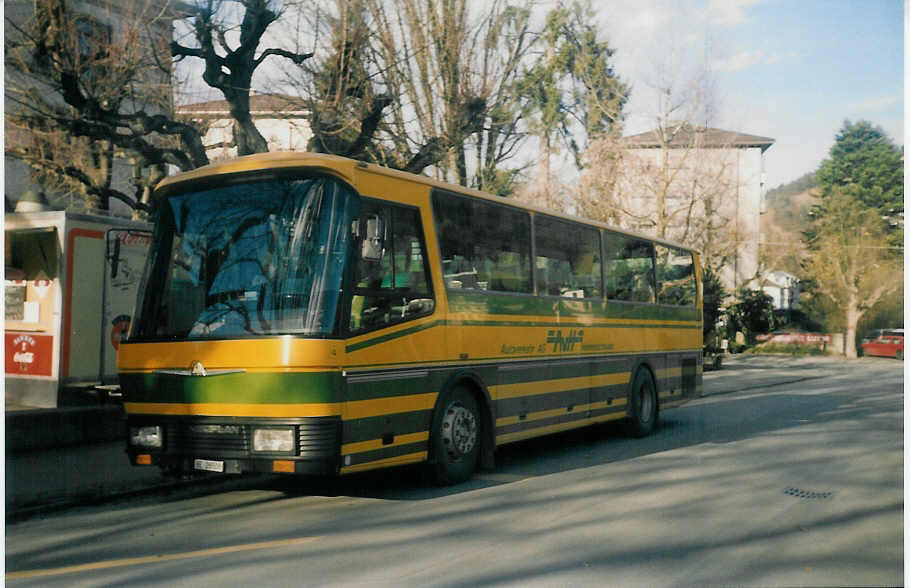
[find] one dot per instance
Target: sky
(792, 70)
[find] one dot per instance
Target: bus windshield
(251, 259)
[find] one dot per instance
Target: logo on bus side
(557, 342)
(567, 342)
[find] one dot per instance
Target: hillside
(787, 206)
(786, 215)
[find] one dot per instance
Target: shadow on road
(717, 420)
(782, 427)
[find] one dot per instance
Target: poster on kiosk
(71, 282)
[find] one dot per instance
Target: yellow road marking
(149, 559)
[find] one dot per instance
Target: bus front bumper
(210, 444)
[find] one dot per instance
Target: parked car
(877, 333)
(886, 346)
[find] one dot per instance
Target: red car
(886, 346)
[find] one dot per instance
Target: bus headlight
(146, 436)
(273, 440)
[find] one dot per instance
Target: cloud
(747, 59)
(780, 56)
(738, 62)
(875, 103)
(729, 13)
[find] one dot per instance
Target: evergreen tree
(574, 94)
(753, 314)
(866, 165)
(713, 295)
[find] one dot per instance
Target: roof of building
(684, 135)
(268, 105)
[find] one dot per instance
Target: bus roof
(346, 169)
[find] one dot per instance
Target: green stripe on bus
(367, 429)
(258, 388)
(579, 418)
(392, 336)
(556, 370)
(384, 453)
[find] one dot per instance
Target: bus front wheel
(455, 437)
(642, 404)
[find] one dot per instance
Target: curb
(51, 428)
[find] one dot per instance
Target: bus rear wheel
(455, 437)
(643, 408)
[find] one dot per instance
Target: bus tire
(455, 437)
(643, 410)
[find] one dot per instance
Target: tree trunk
(853, 316)
(246, 136)
(543, 170)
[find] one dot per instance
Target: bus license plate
(209, 465)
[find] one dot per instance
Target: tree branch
(368, 125)
(297, 58)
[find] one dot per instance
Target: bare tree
(419, 85)
(451, 76)
(229, 66)
(87, 89)
(682, 181)
(850, 260)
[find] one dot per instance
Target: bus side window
(675, 276)
(629, 265)
(395, 287)
(484, 246)
(568, 259)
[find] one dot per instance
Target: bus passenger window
(629, 268)
(484, 246)
(568, 259)
(395, 287)
(675, 276)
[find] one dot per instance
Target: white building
(701, 186)
(783, 288)
(281, 119)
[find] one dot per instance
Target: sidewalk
(79, 455)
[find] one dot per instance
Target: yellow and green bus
(311, 314)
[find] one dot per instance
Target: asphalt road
(790, 473)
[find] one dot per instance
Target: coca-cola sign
(29, 354)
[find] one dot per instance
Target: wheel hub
(459, 431)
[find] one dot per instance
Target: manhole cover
(808, 494)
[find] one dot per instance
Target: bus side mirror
(373, 245)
